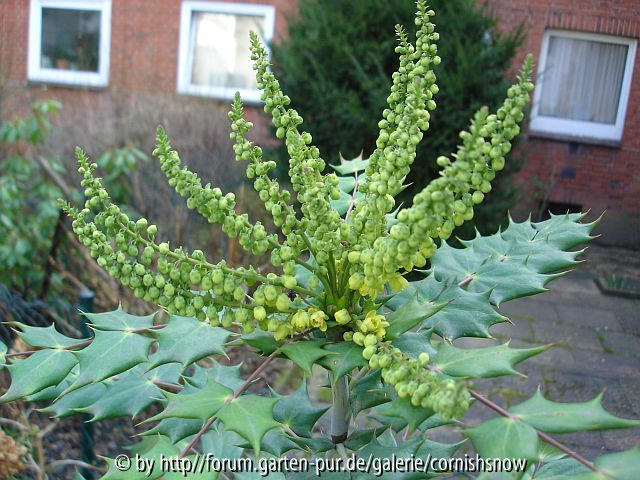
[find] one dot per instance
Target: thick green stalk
(341, 411)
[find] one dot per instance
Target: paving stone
(619, 440)
(588, 317)
(568, 335)
(622, 344)
(608, 366)
(631, 390)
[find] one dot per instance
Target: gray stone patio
(597, 348)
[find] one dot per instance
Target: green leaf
(229, 376)
(3, 352)
(402, 408)
(369, 392)
(565, 468)
(305, 353)
(47, 337)
(554, 417)
(343, 358)
(186, 340)
(194, 467)
(175, 429)
(482, 362)
(201, 404)
(414, 343)
(375, 449)
(42, 369)
(250, 416)
(470, 314)
(504, 438)
(276, 442)
(411, 314)
(110, 353)
(263, 341)
(347, 167)
(82, 397)
(623, 465)
(119, 320)
(221, 443)
(298, 412)
(150, 449)
(313, 445)
(127, 395)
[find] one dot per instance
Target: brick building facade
(154, 46)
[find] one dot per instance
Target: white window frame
(185, 55)
(35, 72)
(575, 128)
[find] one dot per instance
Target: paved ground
(598, 348)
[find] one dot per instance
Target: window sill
(561, 137)
(60, 84)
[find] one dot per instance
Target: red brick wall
(606, 178)
(144, 53)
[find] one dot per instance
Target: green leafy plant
(341, 303)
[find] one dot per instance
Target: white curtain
(582, 79)
(220, 49)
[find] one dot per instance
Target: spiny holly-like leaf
(261, 340)
(342, 359)
(186, 340)
(130, 393)
(564, 468)
(45, 337)
(221, 443)
(361, 437)
(298, 412)
(369, 392)
(250, 416)
(554, 417)
(415, 343)
(193, 467)
(315, 445)
(482, 362)
(305, 353)
(175, 429)
(119, 320)
(42, 369)
(469, 314)
(276, 442)
(619, 466)
(504, 438)
(150, 449)
(438, 450)
(229, 376)
(378, 450)
(110, 353)
(201, 404)
(505, 280)
(3, 352)
(411, 314)
(514, 263)
(402, 408)
(82, 397)
(50, 393)
(354, 165)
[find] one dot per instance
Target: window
(583, 85)
(69, 41)
(214, 58)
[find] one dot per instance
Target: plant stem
(341, 410)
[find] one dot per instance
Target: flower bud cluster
(183, 284)
(275, 199)
(410, 379)
(401, 128)
(321, 223)
(210, 202)
(448, 200)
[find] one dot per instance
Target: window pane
(582, 80)
(70, 39)
(220, 49)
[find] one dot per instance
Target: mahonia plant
(336, 297)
